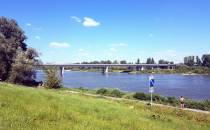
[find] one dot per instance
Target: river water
(190, 86)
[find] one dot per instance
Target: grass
(30, 108)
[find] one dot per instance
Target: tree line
(148, 61)
(196, 61)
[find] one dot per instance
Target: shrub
(196, 105)
(159, 98)
(52, 79)
(172, 100)
(116, 93)
(141, 96)
(102, 91)
(82, 89)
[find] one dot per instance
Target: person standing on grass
(181, 102)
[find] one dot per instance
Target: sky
(69, 31)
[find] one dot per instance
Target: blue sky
(67, 31)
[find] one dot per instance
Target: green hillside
(31, 108)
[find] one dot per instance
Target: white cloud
(37, 37)
(59, 45)
(77, 19)
(113, 49)
(28, 24)
(89, 22)
(119, 45)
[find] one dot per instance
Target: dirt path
(132, 100)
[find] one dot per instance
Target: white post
(151, 87)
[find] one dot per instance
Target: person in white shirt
(181, 102)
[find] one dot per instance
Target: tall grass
(30, 108)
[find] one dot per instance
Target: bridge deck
(107, 65)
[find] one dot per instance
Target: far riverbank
(185, 70)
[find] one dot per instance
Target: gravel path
(132, 100)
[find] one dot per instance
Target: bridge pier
(61, 71)
(142, 68)
(105, 69)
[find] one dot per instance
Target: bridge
(105, 67)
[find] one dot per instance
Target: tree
(94, 62)
(5, 63)
(138, 61)
(150, 61)
(23, 71)
(189, 61)
(11, 38)
(171, 62)
(206, 60)
(123, 62)
(13, 33)
(52, 79)
(16, 59)
(153, 61)
(108, 62)
(198, 61)
(115, 62)
(163, 62)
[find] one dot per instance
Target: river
(190, 86)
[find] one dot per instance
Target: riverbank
(170, 101)
(32, 108)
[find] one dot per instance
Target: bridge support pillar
(142, 68)
(106, 69)
(172, 67)
(169, 67)
(61, 69)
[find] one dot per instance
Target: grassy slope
(30, 108)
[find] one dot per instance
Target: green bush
(116, 93)
(82, 89)
(102, 91)
(196, 105)
(108, 92)
(172, 100)
(52, 79)
(141, 96)
(159, 99)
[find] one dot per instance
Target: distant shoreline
(143, 72)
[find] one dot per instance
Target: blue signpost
(151, 86)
